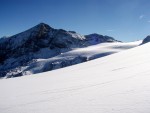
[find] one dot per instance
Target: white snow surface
(118, 83)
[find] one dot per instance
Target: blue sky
(125, 20)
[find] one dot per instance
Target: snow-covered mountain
(43, 48)
(118, 83)
(96, 39)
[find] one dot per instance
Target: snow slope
(118, 83)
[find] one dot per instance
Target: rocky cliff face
(20, 52)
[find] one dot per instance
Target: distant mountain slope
(21, 53)
(146, 40)
(118, 83)
(96, 38)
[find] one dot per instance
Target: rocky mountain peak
(146, 40)
(43, 26)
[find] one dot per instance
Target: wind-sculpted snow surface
(118, 83)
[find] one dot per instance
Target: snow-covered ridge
(96, 38)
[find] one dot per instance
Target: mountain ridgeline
(21, 52)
